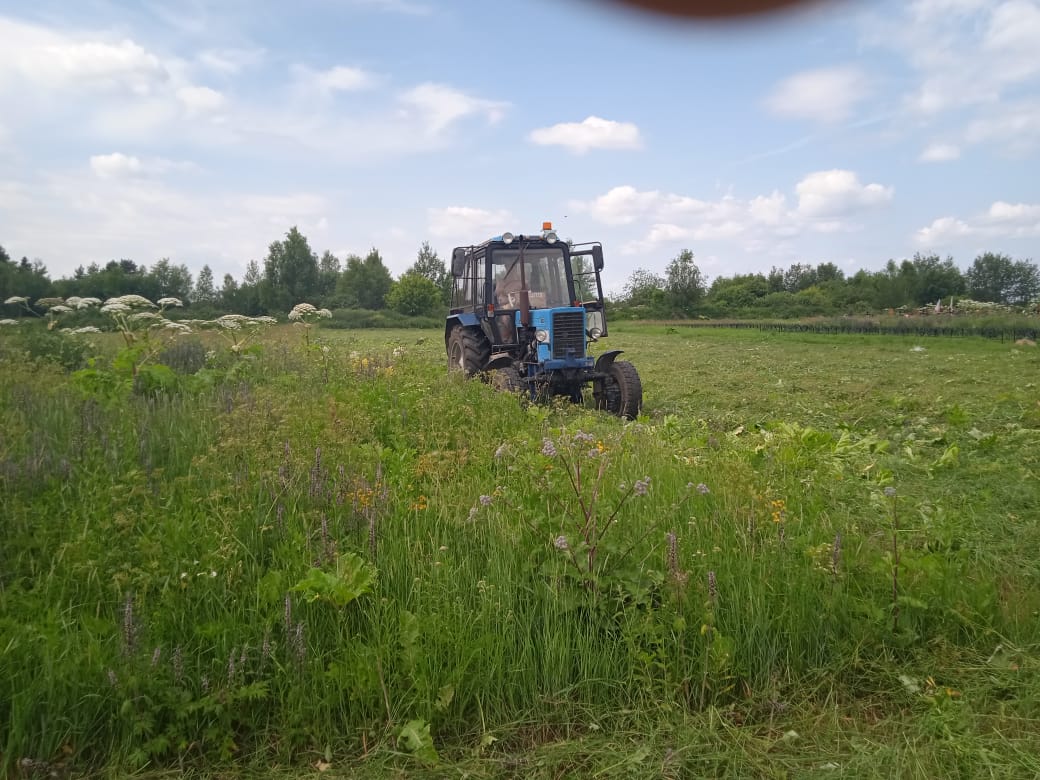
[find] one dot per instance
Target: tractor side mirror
(458, 262)
(597, 258)
(594, 325)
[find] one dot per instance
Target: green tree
(414, 294)
(685, 283)
(205, 292)
(328, 275)
(996, 277)
(646, 291)
(248, 299)
(364, 283)
(429, 265)
(290, 273)
(170, 281)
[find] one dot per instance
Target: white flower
(133, 301)
(60, 309)
(87, 329)
(176, 326)
(301, 310)
(17, 299)
(265, 320)
(325, 314)
(144, 315)
(169, 302)
(115, 307)
(83, 303)
(8, 322)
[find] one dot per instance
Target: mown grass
(183, 578)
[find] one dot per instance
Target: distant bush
(366, 318)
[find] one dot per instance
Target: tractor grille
(568, 334)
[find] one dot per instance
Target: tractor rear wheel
(507, 380)
(621, 391)
(468, 351)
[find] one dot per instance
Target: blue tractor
(524, 310)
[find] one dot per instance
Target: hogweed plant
(306, 316)
(587, 544)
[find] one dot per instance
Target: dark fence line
(1011, 334)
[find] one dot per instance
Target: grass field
(811, 556)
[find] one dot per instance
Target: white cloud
(118, 165)
(837, 193)
(230, 61)
(1002, 220)
(37, 56)
(110, 166)
(940, 153)
(591, 133)
(467, 224)
(200, 100)
(827, 202)
(823, 95)
(339, 78)
(436, 106)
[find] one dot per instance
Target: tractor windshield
(545, 272)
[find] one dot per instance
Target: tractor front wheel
(468, 351)
(621, 391)
(507, 380)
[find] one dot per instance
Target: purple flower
(485, 500)
(581, 436)
(642, 486)
(703, 489)
(548, 448)
(560, 543)
(713, 587)
(890, 491)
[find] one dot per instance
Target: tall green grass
(185, 576)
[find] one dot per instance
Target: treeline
(805, 290)
(292, 272)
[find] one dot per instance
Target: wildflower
(164, 302)
(131, 301)
(485, 500)
(548, 448)
(300, 310)
(60, 309)
(115, 308)
(713, 587)
(156, 655)
(205, 683)
(129, 629)
(178, 665)
(503, 448)
(642, 486)
(86, 329)
(212, 574)
(17, 299)
(8, 322)
(673, 553)
(703, 489)
(581, 436)
(112, 679)
(890, 491)
(560, 543)
(777, 510)
(231, 667)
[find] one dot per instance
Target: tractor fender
(604, 361)
(499, 360)
(465, 319)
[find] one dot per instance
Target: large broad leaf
(353, 578)
(415, 738)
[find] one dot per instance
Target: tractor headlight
(595, 333)
(507, 238)
(541, 336)
(551, 237)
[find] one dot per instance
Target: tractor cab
(524, 310)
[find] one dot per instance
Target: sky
(850, 132)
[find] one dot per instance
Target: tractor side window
(473, 283)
